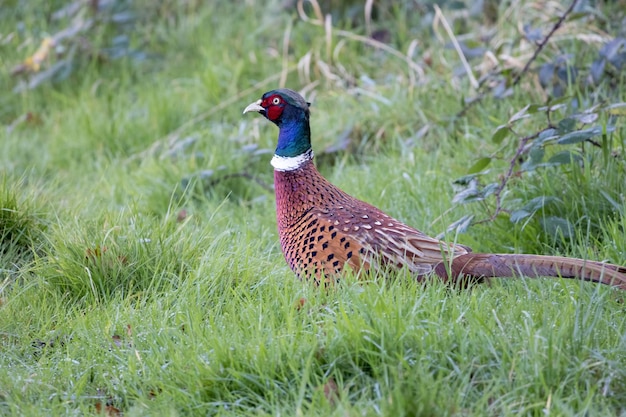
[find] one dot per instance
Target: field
(140, 268)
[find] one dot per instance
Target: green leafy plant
(583, 142)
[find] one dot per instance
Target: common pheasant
(322, 229)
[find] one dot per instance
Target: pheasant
(323, 229)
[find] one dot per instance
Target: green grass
(140, 270)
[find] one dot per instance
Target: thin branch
(507, 177)
(543, 43)
(518, 77)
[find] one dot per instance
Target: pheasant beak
(256, 106)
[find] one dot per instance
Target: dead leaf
(95, 253)
(33, 63)
(300, 303)
(108, 410)
(154, 392)
(182, 215)
(117, 340)
(331, 391)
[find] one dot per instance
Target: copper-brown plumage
(322, 229)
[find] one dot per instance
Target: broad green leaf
(518, 215)
(490, 189)
(534, 108)
(546, 73)
(579, 135)
(461, 225)
(479, 165)
(536, 154)
(577, 15)
(552, 108)
(535, 158)
(557, 226)
(522, 114)
(501, 132)
(467, 195)
(464, 180)
(566, 125)
(597, 69)
(617, 109)
(530, 208)
(564, 157)
(538, 203)
(614, 203)
(587, 118)
(559, 100)
(546, 135)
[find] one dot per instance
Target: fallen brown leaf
(182, 215)
(300, 303)
(331, 391)
(117, 340)
(108, 410)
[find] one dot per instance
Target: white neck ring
(291, 163)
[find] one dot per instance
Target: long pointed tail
(486, 265)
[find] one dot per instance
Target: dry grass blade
(320, 21)
(369, 4)
(439, 17)
(285, 61)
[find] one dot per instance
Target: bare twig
(518, 77)
(507, 177)
(544, 42)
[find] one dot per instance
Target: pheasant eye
(276, 101)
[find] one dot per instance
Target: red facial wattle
(273, 107)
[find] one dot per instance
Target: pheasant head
(290, 112)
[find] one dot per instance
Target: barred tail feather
(482, 265)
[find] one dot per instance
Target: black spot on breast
(349, 255)
(343, 239)
(330, 257)
(333, 235)
(322, 228)
(347, 245)
(314, 253)
(325, 245)
(320, 237)
(335, 264)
